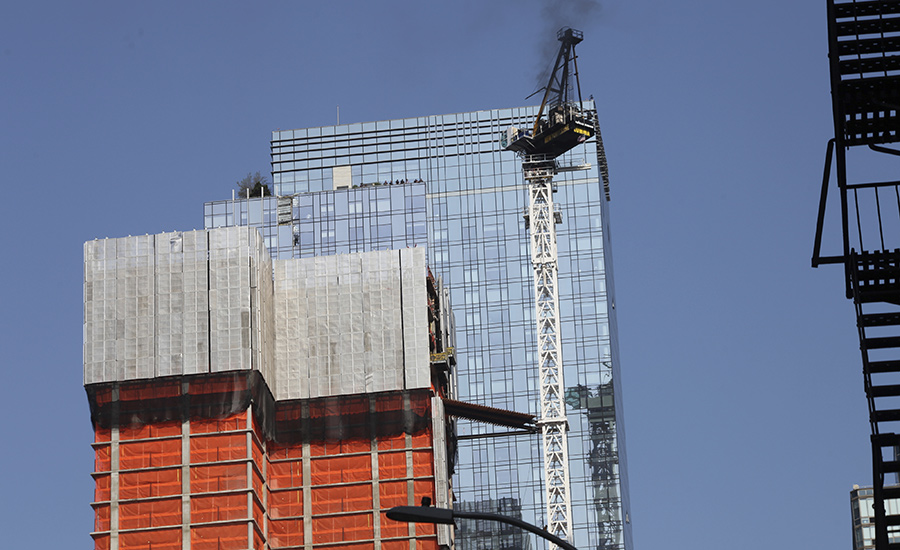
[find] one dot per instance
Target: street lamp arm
(429, 514)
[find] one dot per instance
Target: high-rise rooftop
(243, 403)
(369, 186)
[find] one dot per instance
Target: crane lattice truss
(538, 174)
(566, 125)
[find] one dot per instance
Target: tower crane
(565, 126)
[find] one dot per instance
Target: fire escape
(864, 58)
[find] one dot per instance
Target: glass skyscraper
(444, 182)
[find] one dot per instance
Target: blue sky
(745, 414)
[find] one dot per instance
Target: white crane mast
(542, 218)
(566, 126)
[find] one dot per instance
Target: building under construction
(242, 402)
(444, 183)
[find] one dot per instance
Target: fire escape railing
(864, 60)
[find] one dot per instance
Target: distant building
(443, 182)
(240, 402)
(340, 221)
(489, 535)
(861, 502)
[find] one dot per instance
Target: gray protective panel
(205, 301)
(176, 303)
(353, 323)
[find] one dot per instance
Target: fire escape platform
(864, 54)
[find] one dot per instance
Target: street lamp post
(429, 514)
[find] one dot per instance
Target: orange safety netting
(324, 448)
(171, 400)
(218, 477)
(208, 508)
(258, 482)
(289, 411)
(338, 419)
(423, 463)
(159, 388)
(392, 442)
(102, 460)
(285, 533)
(101, 517)
(340, 434)
(101, 394)
(151, 483)
(216, 448)
(283, 475)
(392, 465)
(256, 426)
(393, 529)
(158, 539)
(422, 439)
(358, 546)
(425, 529)
(258, 454)
(220, 537)
(237, 421)
(426, 544)
(102, 488)
(339, 446)
(149, 454)
(423, 489)
(389, 403)
(397, 545)
(277, 451)
(342, 528)
(259, 513)
(286, 504)
(392, 493)
(147, 431)
(217, 385)
(340, 469)
(217, 396)
(142, 514)
(359, 417)
(342, 498)
(102, 435)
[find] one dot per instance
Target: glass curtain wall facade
(474, 198)
(342, 221)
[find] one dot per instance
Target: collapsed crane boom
(565, 127)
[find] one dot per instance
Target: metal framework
(558, 91)
(565, 126)
(864, 54)
(538, 172)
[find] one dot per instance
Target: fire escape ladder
(875, 284)
(864, 60)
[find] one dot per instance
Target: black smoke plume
(556, 14)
